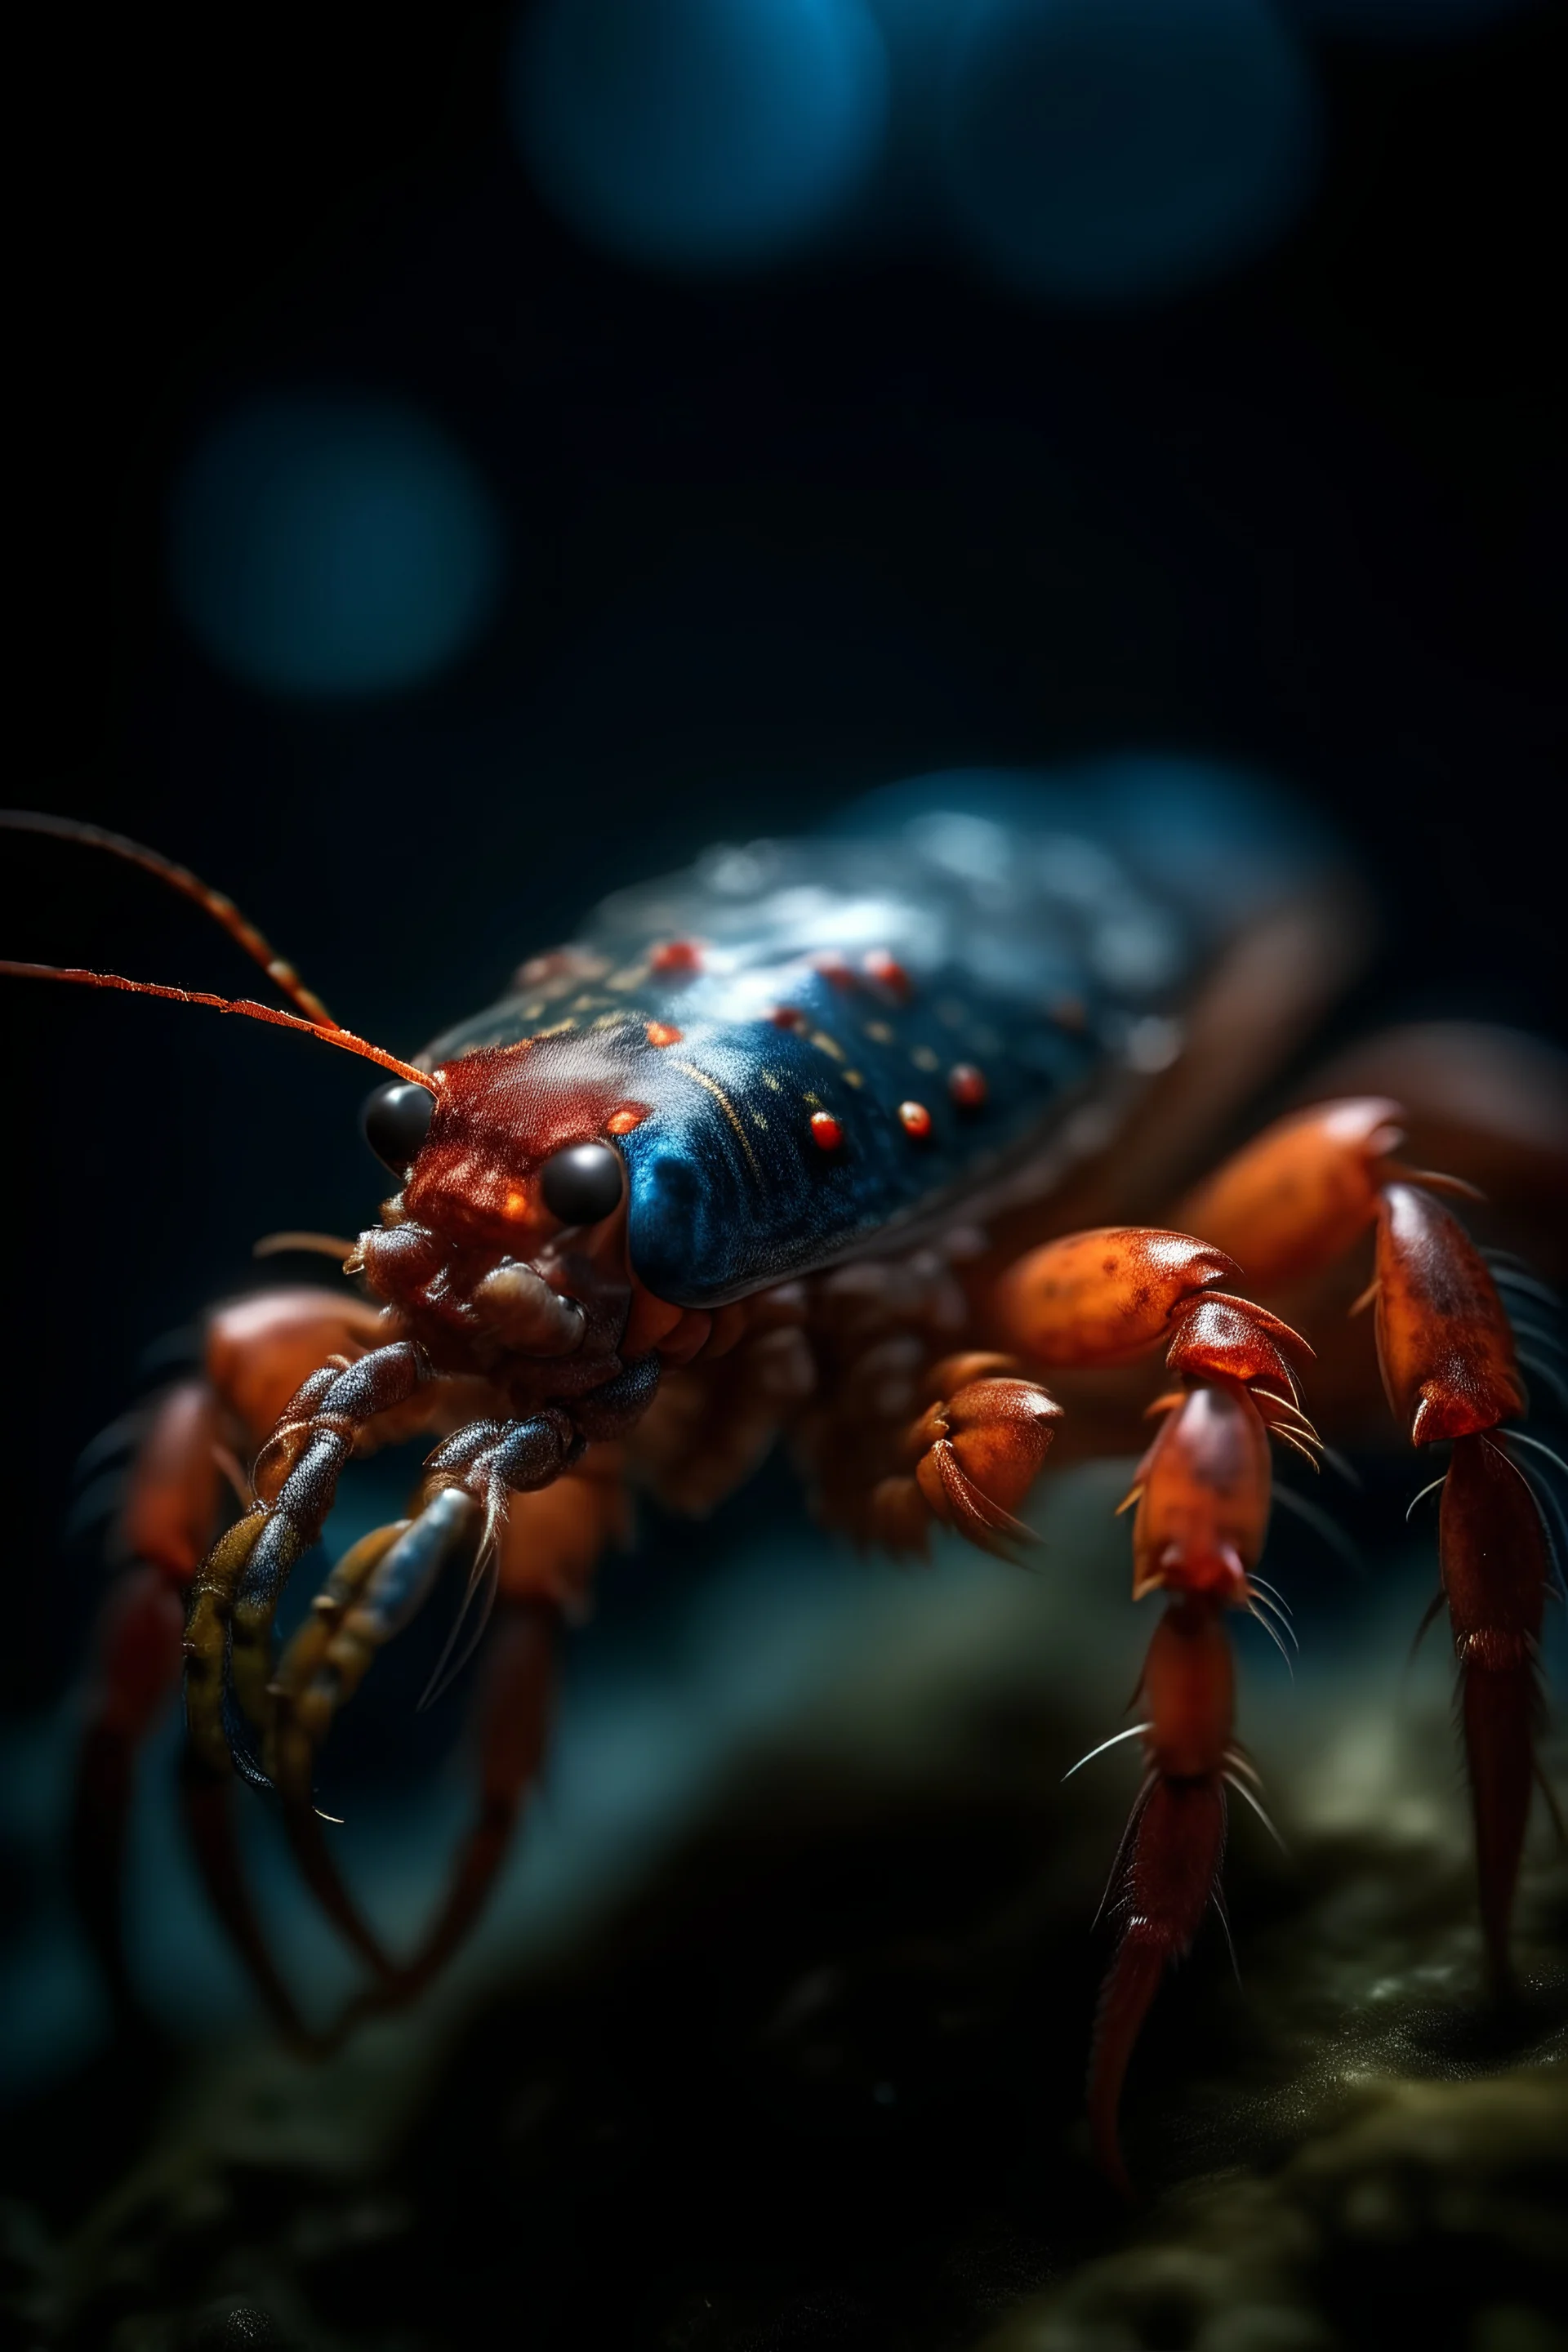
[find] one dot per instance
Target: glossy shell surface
(988, 946)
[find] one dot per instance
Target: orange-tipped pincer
(975, 1452)
(1218, 1337)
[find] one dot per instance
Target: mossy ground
(813, 2077)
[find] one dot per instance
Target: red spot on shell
(622, 1121)
(676, 955)
(890, 973)
(787, 1016)
(966, 1084)
(835, 971)
(661, 1033)
(825, 1131)
(915, 1120)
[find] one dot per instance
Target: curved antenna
(222, 910)
(344, 1038)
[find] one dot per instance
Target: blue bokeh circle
(1112, 152)
(326, 545)
(699, 134)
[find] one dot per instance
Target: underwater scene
(805, 1596)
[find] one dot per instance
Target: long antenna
(334, 1035)
(222, 910)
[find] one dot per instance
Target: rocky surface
(814, 2080)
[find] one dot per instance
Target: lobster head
(509, 1235)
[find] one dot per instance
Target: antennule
(335, 1036)
(190, 886)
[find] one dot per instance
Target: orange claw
(1444, 1341)
(1104, 1297)
(1221, 1338)
(980, 1451)
(973, 1456)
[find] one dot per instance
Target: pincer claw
(973, 1454)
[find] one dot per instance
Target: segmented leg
(255, 1354)
(1202, 1493)
(1446, 1352)
(546, 1548)
(477, 1485)
(1169, 1867)
(1288, 1204)
(237, 1591)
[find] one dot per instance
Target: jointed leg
(1202, 1493)
(237, 1589)
(546, 1547)
(255, 1351)
(1289, 1203)
(478, 1489)
(549, 1548)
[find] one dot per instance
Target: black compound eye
(396, 1121)
(582, 1184)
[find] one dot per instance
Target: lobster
(801, 1144)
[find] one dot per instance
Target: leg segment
(478, 1487)
(1202, 1493)
(547, 1548)
(236, 1593)
(1446, 1352)
(1288, 1205)
(255, 1351)
(1170, 1863)
(1495, 1562)
(172, 1497)
(1096, 1300)
(140, 1643)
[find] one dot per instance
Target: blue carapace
(841, 1035)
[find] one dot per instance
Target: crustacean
(854, 1141)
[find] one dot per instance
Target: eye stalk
(582, 1184)
(396, 1121)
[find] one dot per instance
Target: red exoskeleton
(884, 1144)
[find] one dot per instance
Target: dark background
(770, 541)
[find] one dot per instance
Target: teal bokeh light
(700, 134)
(1110, 152)
(327, 545)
